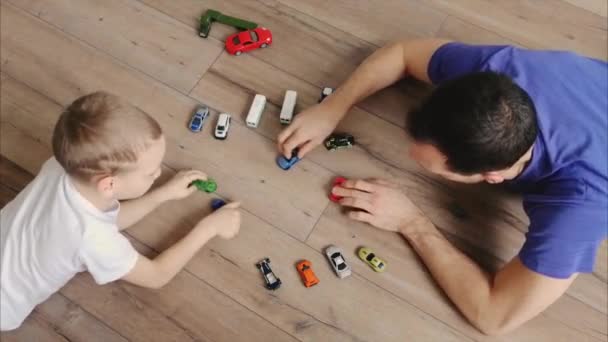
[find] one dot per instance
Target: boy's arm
(157, 272)
(134, 210)
(177, 188)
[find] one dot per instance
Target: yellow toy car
(371, 259)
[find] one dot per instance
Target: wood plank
(33, 329)
(134, 33)
(599, 7)
(52, 70)
(75, 324)
(123, 312)
(530, 27)
(376, 24)
(203, 310)
(302, 45)
(457, 29)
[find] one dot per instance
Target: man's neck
(92, 195)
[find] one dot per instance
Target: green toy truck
(212, 15)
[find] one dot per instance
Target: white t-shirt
(48, 233)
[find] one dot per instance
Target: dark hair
(482, 122)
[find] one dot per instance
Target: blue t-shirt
(565, 185)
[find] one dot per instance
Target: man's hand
(380, 204)
(310, 128)
(179, 186)
(224, 222)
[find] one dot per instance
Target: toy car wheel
(238, 53)
(264, 45)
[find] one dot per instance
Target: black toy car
(339, 140)
(272, 281)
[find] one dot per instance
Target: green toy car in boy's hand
(208, 186)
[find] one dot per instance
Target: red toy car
(248, 40)
(337, 182)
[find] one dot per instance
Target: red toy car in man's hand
(248, 40)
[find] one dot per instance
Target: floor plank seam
(195, 276)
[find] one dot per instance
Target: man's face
(431, 159)
(137, 181)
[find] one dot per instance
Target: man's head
(474, 128)
(103, 141)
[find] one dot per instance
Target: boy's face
(138, 180)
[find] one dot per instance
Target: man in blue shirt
(537, 120)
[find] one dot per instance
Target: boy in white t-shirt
(68, 219)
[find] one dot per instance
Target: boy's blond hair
(101, 134)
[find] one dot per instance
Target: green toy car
(208, 186)
(212, 15)
(371, 259)
(339, 140)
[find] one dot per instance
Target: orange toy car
(308, 276)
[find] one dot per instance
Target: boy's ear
(105, 185)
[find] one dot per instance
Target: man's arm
(493, 303)
(383, 68)
(155, 273)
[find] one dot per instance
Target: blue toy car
(285, 163)
(198, 119)
(217, 203)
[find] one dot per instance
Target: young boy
(67, 220)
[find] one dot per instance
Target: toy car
(217, 203)
(256, 110)
(212, 16)
(272, 281)
(325, 93)
(308, 276)
(285, 163)
(338, 181)
(208, 186)
(336, 259)
(339, 140)
(371, 259)
(198, 119)
(289, 104)
(222, 127)
(244, 41)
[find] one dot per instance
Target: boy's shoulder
(52, 200)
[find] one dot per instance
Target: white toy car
(222, 127)
(336, 259)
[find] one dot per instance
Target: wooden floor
(148, 51)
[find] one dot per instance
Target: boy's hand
(380, 204)
(179, 187)
(309, 129)
(224, 222)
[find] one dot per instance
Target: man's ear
(493, 177)
(105, 185)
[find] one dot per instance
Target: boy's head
(474, 128)
(103, 141)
